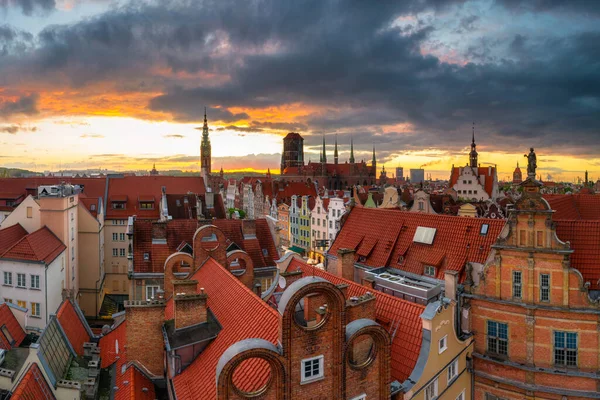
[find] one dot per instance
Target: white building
(335, 210)
(32, 269)
(319, 227)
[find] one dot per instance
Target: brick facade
(531, 292)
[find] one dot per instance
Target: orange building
(534, 311)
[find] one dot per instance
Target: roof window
(484, 229)
(424, 235)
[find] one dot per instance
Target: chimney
(451, 281)
(190, 309)
(249, 228)
(145, 343)
(346, 259)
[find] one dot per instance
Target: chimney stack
(345, 267)
(451, 282)
(190, 308)
(145, 343)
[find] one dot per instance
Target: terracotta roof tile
(73, 326)
(32, 386)
(247, 317)
(11, 235)
(41, 246)
(575, 206)
(584, 237)
(456, 241)
(16, 331)
(390, 312)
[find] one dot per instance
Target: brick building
(534, 312)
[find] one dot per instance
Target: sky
(123, 84)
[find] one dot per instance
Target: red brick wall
(144, 334)
(190, 310)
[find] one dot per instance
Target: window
(360, 397)
(443, 344)
(7, 300)
(7, 335)
(22, 303)
(565, 349)
(470, 182)
(72, 233)
(429, 270)
(484, 229)
(146, 256)
(544, 287)
(121, 252)
(122, 237)
(266, 283)
(431, 390)
(517, 284)
(92, 207)
(115, 252)
(421, 206)
(330, 224)
(35, 309)
(115, 237)
(35, 281)
(29, 212)
(21, 281)
(8, 278)
(312, 369)
(497, 338)
(461, 396)
(72, 253)
(72, 216)
(117, 205)
(452, 370)
(151, 292)
(147, 205)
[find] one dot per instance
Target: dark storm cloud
(344, 58)
(26, 105)
(586, 7)
(29, 7)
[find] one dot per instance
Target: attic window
(147, 205)
(146, 256)
(118, 205)
(484, 229)
(429, 270)
(92, 207)
(362, 259)
(265, 252)
(400, 260)
(424, 235)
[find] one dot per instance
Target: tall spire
(205, 150)
(473, 163)
(351, 151)
(324, 160)
(374, 161)
(335, 152)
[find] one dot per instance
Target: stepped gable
(385, 237)
(40, 246)
(391, 312)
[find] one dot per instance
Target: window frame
(443, 341)
(565, 349)
(498, 339)
(432, 385)
(313, 378)
(517, 286)
(452, 367)
(429, 268)
(7, 282)
(33, 278)
(35, 310)
(155, 288)
(24, 283)
(545, 288)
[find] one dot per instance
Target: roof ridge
(239, 283)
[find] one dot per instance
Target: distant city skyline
(121, 85)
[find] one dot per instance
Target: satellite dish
(282, 282)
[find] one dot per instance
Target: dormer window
(146, 205)
(429, 270)
(265, 252)
(118, 205)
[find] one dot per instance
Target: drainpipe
(46, 291)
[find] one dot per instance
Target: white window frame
(428, 269)
(35, 309)
(34, 279)
(23, 283)
(115, 236)
(121, 252)
(431, 391)
(452, 371)
(115, 252)
(360, 397)
(443, 344)
(154, 288)
(303, 378)
(8, 278)
(461, 396)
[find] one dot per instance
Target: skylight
(484, 229)
(424, 235)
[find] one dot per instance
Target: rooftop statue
(531, 163)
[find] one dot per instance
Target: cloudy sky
(122, 84)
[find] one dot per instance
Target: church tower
(205, 160)
(351, 152)
(473, 154)
(335, 151)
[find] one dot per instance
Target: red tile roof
(246, 317)
(33, 386)
(381, 236)
(390, 311)
(40, 246)
(73, 326)
(179, 231)
(128, 188)
(11, 235)
(16, 331)
(295, 188)
(112, 345)
(584, 237)
(575, 206)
